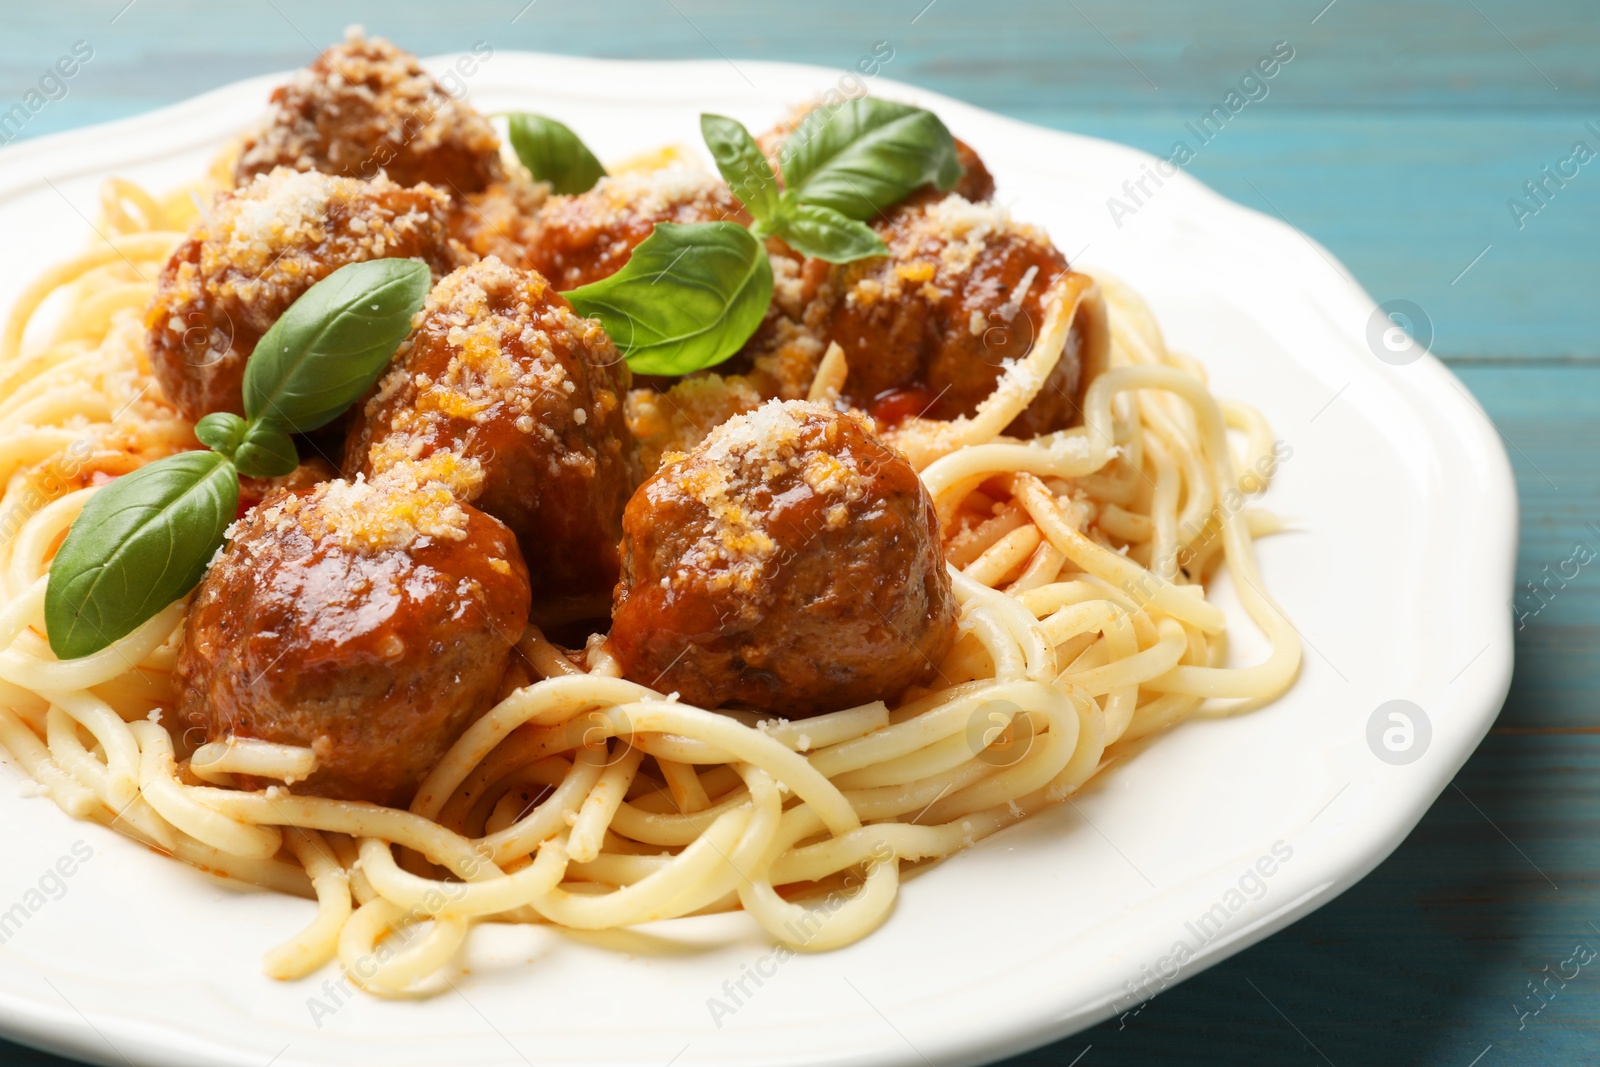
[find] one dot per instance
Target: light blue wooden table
(1396, 138)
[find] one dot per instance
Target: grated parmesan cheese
(397, 508)
(752, 466)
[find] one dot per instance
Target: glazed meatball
(256, 251)
(365, 106)
(575, 240)
(369, 621)
(928, 329)
(790, 562)
(503, 373)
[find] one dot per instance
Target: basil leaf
(742, 164)
(265, 452)
(221, 431)
(689, 296)
(139, 544)
(823, 233)
(553, 153)
(862, 155)
(333, 343)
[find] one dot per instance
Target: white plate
(1398, 580)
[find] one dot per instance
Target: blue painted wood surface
(1396, 138)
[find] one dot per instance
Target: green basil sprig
(862, 155)
(256, 449)
(743, 165)
(553, 153)
(810, 229)
(139, 544)
(146, 539)
(689, 296)
(822, 233)
(328, 347)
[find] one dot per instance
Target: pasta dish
(420, 516)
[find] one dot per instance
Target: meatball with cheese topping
(929, 329)
(371, 622)
(575, 240)
(503, 373)
(255, 252)
(365, 106)
(790, 562)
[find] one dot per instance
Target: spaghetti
(1079, 562)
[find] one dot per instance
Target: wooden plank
(1549, 416)
(1407, 203)
(1384, 56)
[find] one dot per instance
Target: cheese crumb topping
(749, 469)
(399, 507)
(932, 246)
(265, 243)
(625, 197)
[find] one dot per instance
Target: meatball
(575, 240)
(928, 329)
(365, 106)
(256, 251)
(504, 374)
(370, 621)
(790, 562)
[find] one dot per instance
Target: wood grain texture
(1395, 137)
